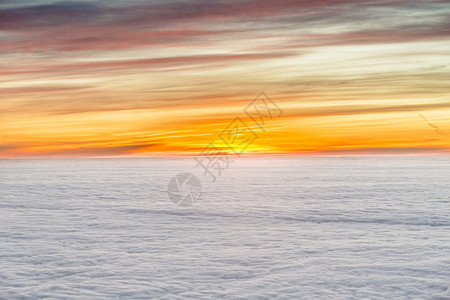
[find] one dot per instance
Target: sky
(142, 78)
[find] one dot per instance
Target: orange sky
(121, 78)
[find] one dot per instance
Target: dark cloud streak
(84, 26)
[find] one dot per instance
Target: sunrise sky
(138, 78)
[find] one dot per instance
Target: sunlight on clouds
(120, 79)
